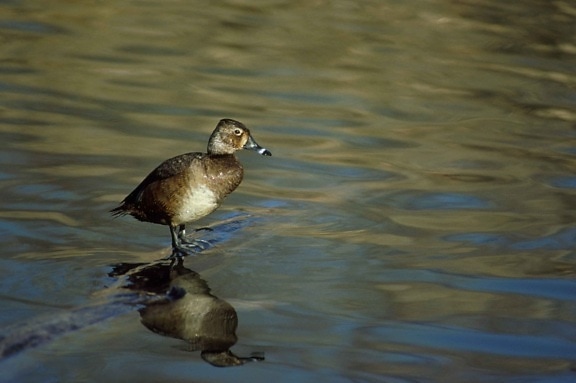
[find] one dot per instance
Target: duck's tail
(119, 211)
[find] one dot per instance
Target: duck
(190, 186)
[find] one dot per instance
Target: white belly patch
(196, 204)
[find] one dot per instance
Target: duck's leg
(181, 246)
(177, 250)
(175, 234)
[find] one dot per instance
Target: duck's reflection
(205, 321)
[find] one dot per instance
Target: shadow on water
(172, 300)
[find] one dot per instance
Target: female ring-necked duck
(190, 186)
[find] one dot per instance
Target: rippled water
(415, 223)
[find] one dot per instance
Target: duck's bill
(264, 152)
(252, 145)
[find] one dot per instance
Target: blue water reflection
(467, 340)
(564, 239)
(414, 200)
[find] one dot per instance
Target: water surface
(415, 223)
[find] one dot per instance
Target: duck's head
(230, 136)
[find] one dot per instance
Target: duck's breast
(196, 203)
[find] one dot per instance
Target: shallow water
(415, 223)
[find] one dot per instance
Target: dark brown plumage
(190, 186)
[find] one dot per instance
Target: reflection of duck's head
(228, 359)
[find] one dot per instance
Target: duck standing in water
(190, 186)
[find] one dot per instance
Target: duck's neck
(225, 172)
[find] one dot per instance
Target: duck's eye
(237, 132)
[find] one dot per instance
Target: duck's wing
(169, 168)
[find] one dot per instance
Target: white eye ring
(237, 132)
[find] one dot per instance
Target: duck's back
(183, 189)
